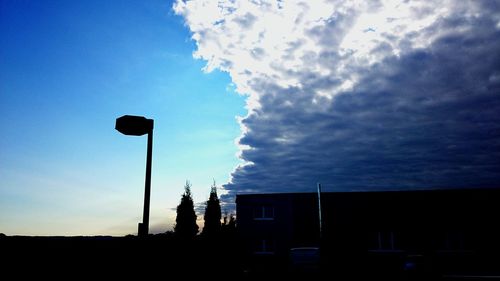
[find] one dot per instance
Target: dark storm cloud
(428, 119)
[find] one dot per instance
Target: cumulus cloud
(384, 95)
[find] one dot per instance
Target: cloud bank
(386, 95)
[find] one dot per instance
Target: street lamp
(137, 126)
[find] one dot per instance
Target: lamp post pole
(320, 215)
(138, 126)
(147, 189)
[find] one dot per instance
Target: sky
(68, 69)
(260, 96)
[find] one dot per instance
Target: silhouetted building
(393, 234)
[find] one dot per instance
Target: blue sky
(68, 69)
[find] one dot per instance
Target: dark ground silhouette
(152, 256)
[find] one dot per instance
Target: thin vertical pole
(319, 210)
(147, 190)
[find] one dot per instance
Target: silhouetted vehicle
(304, 259)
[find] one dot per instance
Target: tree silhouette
(230, 249)
(186, 226)
(212, 214)
(231, 224)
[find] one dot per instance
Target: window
(454, 241)
(384, 241)
(264, 247)
(263, 212)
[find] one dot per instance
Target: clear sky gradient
(68, 69)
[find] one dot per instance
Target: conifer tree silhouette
(212, 214)
(186, 226)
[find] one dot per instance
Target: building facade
(393, 234)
